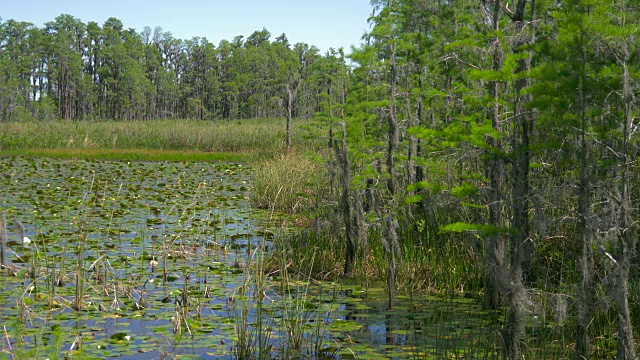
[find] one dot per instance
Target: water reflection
(203, 293)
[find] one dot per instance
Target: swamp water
(162, 260)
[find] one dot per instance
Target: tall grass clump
(288, 183)
(429, 259)
(298, 249)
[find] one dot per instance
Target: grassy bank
(256, 138)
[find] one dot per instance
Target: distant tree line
(74, 70)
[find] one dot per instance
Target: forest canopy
(74, 70)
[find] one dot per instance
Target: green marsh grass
(287, 324)
(154, 140)
(430, 260)
(289, 183)
(447, 268)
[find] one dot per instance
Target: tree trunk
(628, 229)
(392, 122)
(586, 291)
(391, 245)
(515, 331)
(626, 345)
(413, 141)
(521, 246)
(391, 237)
(495, 251)
(292, 94)
(289, 113)
(342, 155)
(345, 204)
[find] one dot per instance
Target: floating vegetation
(143, 260)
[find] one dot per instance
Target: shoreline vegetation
(295, 184)
(133, 155)
(494, 157)
(252, 138)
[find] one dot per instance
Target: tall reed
(264, 136)
(288, 183)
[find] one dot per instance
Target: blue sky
(326, 23)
